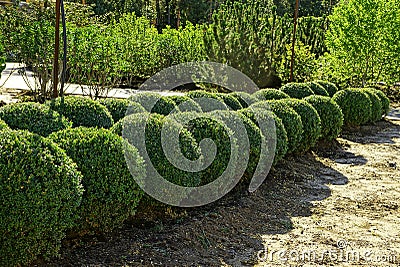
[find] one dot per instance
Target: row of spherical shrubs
(63, 169)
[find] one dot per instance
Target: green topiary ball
(184, 103)
(331, 116)
(355, 105)
(385, 102)
(310, 120)
(230, 101)
(207, 101)
(244, 98)
(34, 117)
(318, 89)
(297, 90)
(376, 106)
(281, 135)
(331, 88)
(154, 102)
(40, 194)
(82, 111)
(3, 125)
(270, 94)
(111, 193)
(290, 119)
(116, 107)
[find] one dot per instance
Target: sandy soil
(336, 206)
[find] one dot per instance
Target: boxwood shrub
(134, 108)
(330, 114)
(270, 94)
(244, 98)
(281, 135)
(355, 105)
(82, 111)
(376, 105)
(184, 103)
(297, 90)
(318, 89)
(230, 101)
(117, 107)
(3, 125)
(40, 193)
(154, 102)
(385, 102)
(331, 88)
(111, 194)
(201, 98)
(290, 119)
(310, 120)
(34, 117)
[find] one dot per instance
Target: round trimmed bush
(330, 114)
(3, 125)
(230, 101)
(111, 193)
(290, 119)
(355, 105)
(318, 89)
(385, 102)
(82, 111)
(376, 106)
(154, 102)
(184, 103)
(34, 117)
(207, 101)
(40, 194)
(270, 94)
(245, 99)
(281, 135)
(310, 120)
(331, 88)
(297, 90)
(116, 107)
(134, 108)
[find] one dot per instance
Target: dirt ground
(335, 206)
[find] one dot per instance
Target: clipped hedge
(317, 89)
(207, 101)
(290, 119)
(270, 94)
(111, 194)
(376, 105)
(3, 125)
(82, 111)
(255, 114)
(330, 114)
(297, 90)
(116, 107)
(385, 102)
(184, 103)
(244, 98)
(355, 105)
(154, 102)
(34, 117)
(331, 88)
(40, 194)
(230, 101)
(134, 108)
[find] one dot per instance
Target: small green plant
(331, 116)
(82, 111)
(297, 90)
(376, 105)
(230, 101)
(318, 89)
(244, 98)
(34, 117)
(355, 105)
(331, 88)
(270, 94)
(40, 193)
(116, 107)
(111, 193)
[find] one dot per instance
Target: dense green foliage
(317, 89)
(207, 101)
(244, 98)
(40, 193)
(3, 125)
(154, 102)
(230, 101)
(376, 105)
(82, 111)
(297, 90)
(111, 194)
(329, 87)
(355, 105)
(270, 94)
(385, 102)
(2, 56)
(330, 114)
(116, 107)
(184, 103)
(34, 117)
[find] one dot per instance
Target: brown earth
(338, 205)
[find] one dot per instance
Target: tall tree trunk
(296, 14)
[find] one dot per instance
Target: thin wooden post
(296, 15)
(56, 50)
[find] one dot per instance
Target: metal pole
(56, 50)
(296, 14)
